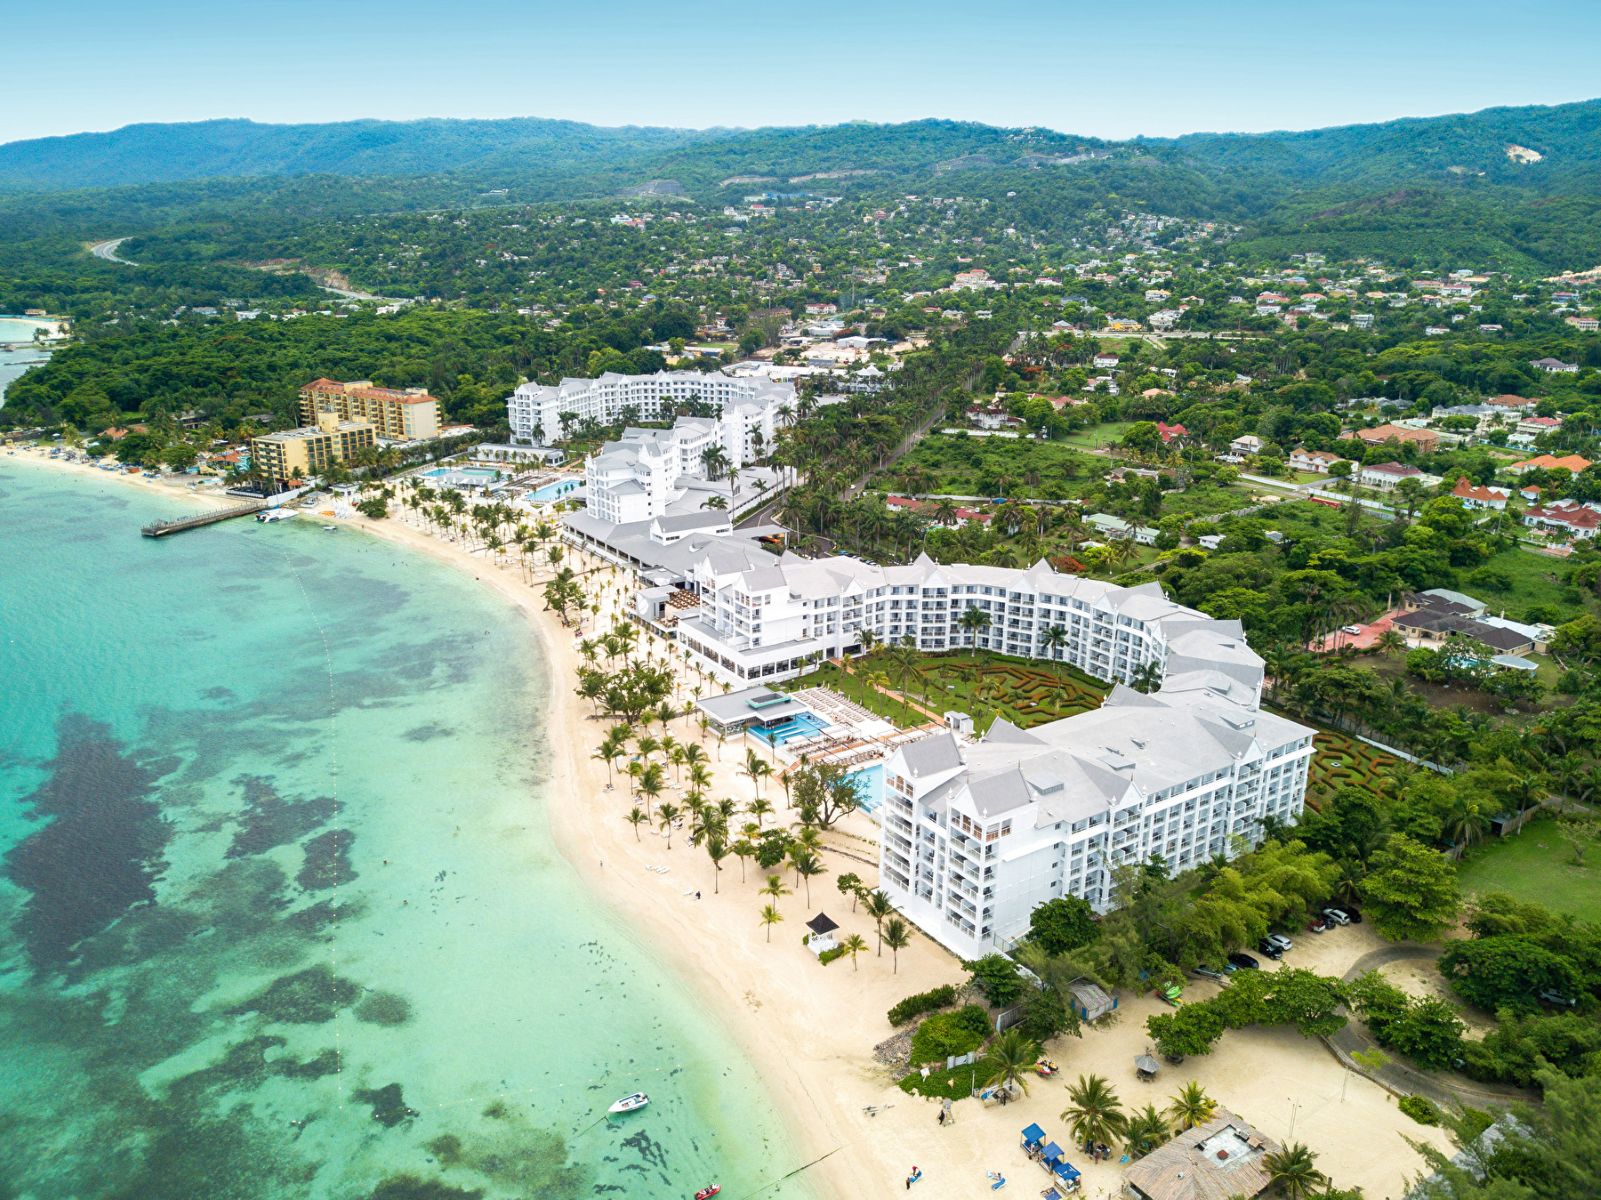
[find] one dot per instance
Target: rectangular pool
(869, 786)
(800, 725)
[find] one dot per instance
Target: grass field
(1537, 865)
(1097, 436)
(1019, 467)
(852, 687)
(1520, 580)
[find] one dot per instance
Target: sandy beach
(810, 1029)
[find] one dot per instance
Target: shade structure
(1065, 1170)
(1052, 1151)
(1033, 1135)
(1146, 1065)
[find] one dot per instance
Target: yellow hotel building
(300, 453)
(396, 415)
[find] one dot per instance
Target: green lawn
(1097, 436)
(1538, 866)
(955, 1084)
(1520, 579)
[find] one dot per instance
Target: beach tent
(1033, 1136)
(1052, 1154)
(1147, 1066)
(1065, 1171)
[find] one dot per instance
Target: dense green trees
(1410, 892)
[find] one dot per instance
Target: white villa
(537, 411)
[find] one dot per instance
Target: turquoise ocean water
(14, 362)
(278, 917)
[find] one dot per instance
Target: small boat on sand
(706, 1193)
(630, 1103)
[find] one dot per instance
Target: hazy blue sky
(1107, 68)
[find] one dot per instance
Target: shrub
(948, 1033)
(998, 978)
(828, 956)
(1421, 1109)
(922, 1002)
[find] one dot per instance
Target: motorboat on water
(274, 514)
(630, 1103)
(706, 1193)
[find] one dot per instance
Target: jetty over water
(179, 524)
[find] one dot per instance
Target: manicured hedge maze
(1025, 695)
(1341, 761)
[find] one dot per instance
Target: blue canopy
(1065, 1169)
(1033, 1134)
(1051, 1151)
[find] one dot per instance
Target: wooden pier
(178, 524)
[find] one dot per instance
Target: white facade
(644, 472)
(768, 623)
(536, 410)
(977, 836)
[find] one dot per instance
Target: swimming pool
(552, 491)
(800, 725)
(462, 472)
(869, 786)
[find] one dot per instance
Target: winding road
(108, 251)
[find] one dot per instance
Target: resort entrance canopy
(760, 706)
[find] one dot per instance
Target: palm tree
(650, 783)
(974, 621)
(1391, 641)
(759, 808)
(877, 905)
(1146, 1130)
(806, 863)
(1147, 677)
(636, 817)
(743, 849)
(756, 769)
(716, 850)
(666, 814)
(1053, 638)
(770, 917)
(1008, 1057)
(853, 946)
(1094, 1112)
(775, 888)
(897, 936)
(1294, 1172)
(1191, 1106)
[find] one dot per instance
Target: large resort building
(546, 414)
(278, 458)
(977, 834)
(396, 414)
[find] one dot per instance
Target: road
(108, 251)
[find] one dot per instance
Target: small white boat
(329, 528)
(273, 514)
(630, 1103)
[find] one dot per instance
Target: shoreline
(809, 1030)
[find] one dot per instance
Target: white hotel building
(536, 410)
(976, 835)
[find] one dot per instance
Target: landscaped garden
(989, 685)
(1339, 760)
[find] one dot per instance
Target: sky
(1106, 69)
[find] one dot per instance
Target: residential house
(1424, 439)
(1318, 461)
(1246, 445)
(1555, 366)
(1473, 496)
(1578, 521)
(1387, 476)
(1172, 434)
(1548, 462)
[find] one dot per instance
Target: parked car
(1268, 948)
(1211, 973)
(1278, 939)
(1558, 1000)
(1351, 629)
(1317, 925)
(1354, 913)
(1336, 916)
(1243, 961)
